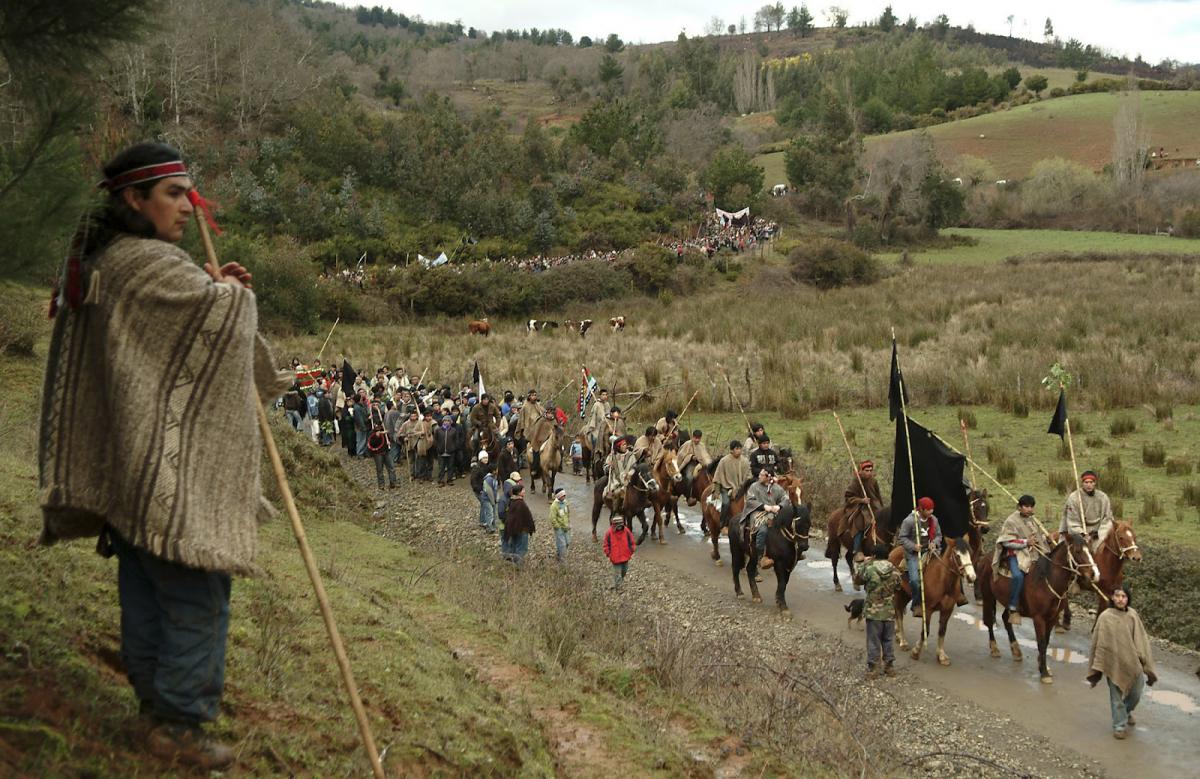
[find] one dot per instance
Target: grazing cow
(548, 326)
(584, 326)
(479, 326)
(534, 325)
(617, 323)
(571, 324)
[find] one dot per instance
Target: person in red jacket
(618, 548)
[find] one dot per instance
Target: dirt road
(1166, 740)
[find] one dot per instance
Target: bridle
(1121, 552)
(1073, 567)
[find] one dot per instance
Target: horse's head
(643, 476)
(980, 508)
(801, 514)
(963, 556)
(1123, 537)
(669, 462)
(1079, 558)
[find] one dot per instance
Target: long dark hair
(114, 217)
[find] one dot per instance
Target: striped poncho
(148, 421)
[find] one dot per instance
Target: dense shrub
(826, 264)
(283, 281)
(21, 322)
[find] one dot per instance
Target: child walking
(618, 548)
(880, 579)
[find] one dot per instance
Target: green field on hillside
(1077, 128)
(998, 245)
(772, 164)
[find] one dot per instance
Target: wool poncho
(148, 421)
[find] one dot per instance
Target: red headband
(145, 173)
(865, 463)
(925, 503)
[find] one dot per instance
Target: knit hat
(483, 457)
(925, 504)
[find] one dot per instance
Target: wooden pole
(854, 465)
(335, 324)
(310, 564)
(738, 400)
(912, 483)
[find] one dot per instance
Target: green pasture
(998, 245)
(1077, 127)
(773, 165)
(1024, 440)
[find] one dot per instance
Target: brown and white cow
(479, 327)
(584, 326)
(617, 323)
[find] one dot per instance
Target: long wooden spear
(335, 324)
(739, 401)
(857, 474)
(912, 483)
(310, 564)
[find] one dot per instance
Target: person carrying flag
(919, 529)
(1097, 520)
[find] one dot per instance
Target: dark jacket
(518, 520)
(760, 458)
(506, 463)
(325, 410)
(478, 471)
(362, 420)
(445, 440)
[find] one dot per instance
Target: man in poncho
(1097, 520)
(1121, 652)
(147, 347)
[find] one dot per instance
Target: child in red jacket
(618, 548)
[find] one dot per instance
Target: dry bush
(1121, 425)
(1178, 466)
(1061, 480)
(1153, 455)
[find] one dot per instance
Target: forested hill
(331, 134)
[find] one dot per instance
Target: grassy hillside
(998, 245)
(1078, 128)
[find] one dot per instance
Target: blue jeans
(487, 510)
(293, 417)
(914, 578)
(760, 540)
(562, 540)
(360, 447)
(1123, 705)
(518, 548)
(174, 622)
(858, 537)
(1018, 583)
(394, 453)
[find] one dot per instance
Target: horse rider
(732, 472)
(768, 498)
(1018, 545)
(531, 412)
(1097, 520)
(763, 456)
(692, 451)
(756, 429)
(862, 493)
(648, 447)
(611, 425)
(537, 434)
(668, 427)
(484, 415)
(920, 529)
(621, 464)
(596, 429)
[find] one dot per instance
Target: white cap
(483, 456)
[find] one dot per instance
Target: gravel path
(926, 729)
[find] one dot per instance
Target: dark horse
(884, 532)
(693, 491)
(1042, 598)
(636, 500)
(787, 539)
(742, 551)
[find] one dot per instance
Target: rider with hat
(769, 498)
(862, 499)
(918, 530)
(1017, 549)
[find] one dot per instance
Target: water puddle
(1177, 700)
(1054, 654)
(819, 564)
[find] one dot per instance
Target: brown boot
(872, 672)
(859, 557)
(189, 745)
(917, 611)
(767, 563)
(889, 670)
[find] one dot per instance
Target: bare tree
(1130, 145)
(715, 26)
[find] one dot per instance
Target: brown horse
(550, 460)
(941, 580)
(884, 531)
(1119, 545)
(636, 500)
(1042, 598)
(693, 491)
(666, 474)
(711, 514)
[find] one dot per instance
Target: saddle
(747, 511)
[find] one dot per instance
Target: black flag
(1058, 424)
(938, 471)
(896, 388)
(348, 377)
